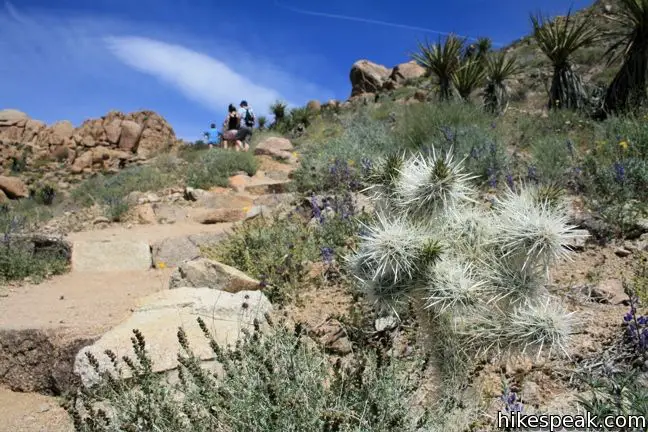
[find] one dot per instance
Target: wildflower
(532, 174)
(161, 265)
(624, 145)
(327, 254)
(493, 148)
(619, 172)
(351, 162)
(447, 132)
(492, 177)
(246, 209)
(295, 154)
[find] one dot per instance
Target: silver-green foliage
(479, 271)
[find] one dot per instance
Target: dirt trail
(31, 412)
(82, 305)
(148, 233)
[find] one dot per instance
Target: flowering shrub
(270, 382)
(478, 276)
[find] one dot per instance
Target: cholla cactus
(479, 273)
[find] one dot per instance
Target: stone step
(110, 256)
(224, 314)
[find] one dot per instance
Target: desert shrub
(622, 394)
(19, 256)
(615, 173)
(278, 251)
(263, 121)
(111, 191)
(551, 158)
(274, 381)
(419, 125)
(214, 167)
(44, 194)
(361, 138)
(477, 276)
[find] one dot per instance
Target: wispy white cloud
(65, 64)
(201, 78)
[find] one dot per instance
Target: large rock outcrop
(368, 78)
(104, 144)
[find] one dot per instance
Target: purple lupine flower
(493, 125)
(511, 402)
(474, 153)
(493, 148)
(327, 254)
(532, 174)
(447, 132)
(492, 178)
(619, 172)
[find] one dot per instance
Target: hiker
(213, 136)
(248, 119)
(231, 127)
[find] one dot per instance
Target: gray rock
(386, 323)
(98, 256)
(224, 314)
(203, 272)
(176, 250)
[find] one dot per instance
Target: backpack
(249, 118)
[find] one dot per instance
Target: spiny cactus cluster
(479, 272)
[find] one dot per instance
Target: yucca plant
(479, 49)
(559, 39)
(441, 60)
(484, 46)
(628, 88)
(278, 110)
(476, 275)
(468, 77)
(263, 120)
(498, 68)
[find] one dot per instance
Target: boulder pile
(61, 153)
(368, 78)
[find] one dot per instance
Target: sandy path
(148, 233)
(31, 412)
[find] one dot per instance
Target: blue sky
(188, 59)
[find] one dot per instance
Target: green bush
(420, 125)
(214, 167)
(552, 158)
(278, 251)
(274, 382)
(111, 191)
(615, 173)
(19, 256)
(361, 138)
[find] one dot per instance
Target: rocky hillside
(61, 154)
(529, 89)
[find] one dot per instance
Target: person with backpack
(231, 127)
(248, 120)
